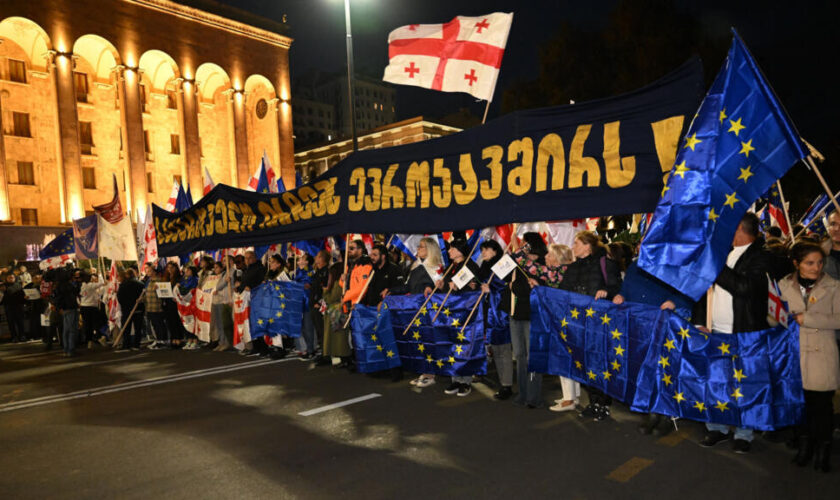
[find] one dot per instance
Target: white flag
(116, 241)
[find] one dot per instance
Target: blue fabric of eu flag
(277, 309)
(740, 142)
(373, 339)
(62, 244)
(655, 361)
(439, 347)
(85, 238)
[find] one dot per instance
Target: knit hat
(461, 245)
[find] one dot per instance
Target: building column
(5, 209)
(239, 137)
(284, 119)
(134, 142)
(70, 156)
(188, 118)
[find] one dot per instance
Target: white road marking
(108, 389)
(309, 413)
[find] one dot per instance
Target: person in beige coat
(814, 301)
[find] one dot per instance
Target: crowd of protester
(68, 307)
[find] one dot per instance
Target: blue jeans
(740, 433)
(70, 331)
(307, 338)
(530, 384)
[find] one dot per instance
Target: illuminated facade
(148, 90)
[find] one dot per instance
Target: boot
(822, 456)
(804, 452)
(652, 421)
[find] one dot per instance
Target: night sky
(794, 43)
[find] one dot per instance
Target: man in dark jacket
(129, 295)
(386, 275)
(253, 274)
(739, 304)
(65, 299)
(13, 300)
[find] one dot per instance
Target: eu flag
(442, 346)
(277, 309)
(740, 142)
(62, 244)
(656, 361)
(373, 339)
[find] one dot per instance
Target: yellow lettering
(327, 200)
(417, 184)
(441, 195)
(233, 217)
(308, 196)
(221, 222)
(519, 178)
(391, 195)
(491, 190)
(579, 164)
(551, 150)
(373, 200)
(356, 202)
(666, 138)
(248, 217)
(465, 193)
(295, 206)
(619, 171)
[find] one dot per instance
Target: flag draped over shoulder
(277, 309)
(657, 362)
(463, 55)
(373, 339)
(739, 143)
(441, 347)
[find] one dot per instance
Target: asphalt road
(164, 424)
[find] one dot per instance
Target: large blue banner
(535, 165)
(655, 361)
(277, 309)
(373, 339)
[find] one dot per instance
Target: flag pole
(817, 217)
(407, 328)
(785, 208)
(486, 109)
(477, 302)
(810, 162)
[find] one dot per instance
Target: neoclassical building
(149, 90)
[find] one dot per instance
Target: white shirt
(723, 316)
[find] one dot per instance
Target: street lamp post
(350, 88)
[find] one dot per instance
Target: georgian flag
(173, 197)
(777, 308)
(463, 55)
(208, 182)
(241, 319)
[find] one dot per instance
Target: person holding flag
(814, 301)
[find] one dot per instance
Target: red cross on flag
(463, 55)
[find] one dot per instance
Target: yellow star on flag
(692, 141)
(569, 349)
(564, 323)
(423, 311)
(737, 394)
(684, 333)
(736, 126)
(679, 397)
(390, 354)
(282, 306)
(429, 358)
(669, 344)
(667, 379)
(416, 335)
(722, 115)
(421, 348)
(619, 351)
(722, 406)
(456, 322)
(605, 320)
(616, 334)
(461, 337)
(282, 296)
(739, 375)
(451, 360)
(731, 200)
(592, 375)
(746, 147)
(564, 336)
(607, 375)
(663, 362)
(746, 173)
(416, 322)
(270, 320)
(712, 215)
(279, 314)
(446, 311)
(373, 338)
(578, 365)
(439, 363)
(590, 312)
(681, 169)
(378, 347)
(574, 313)
(616, 365)
(459, 349)
(700, 406)
(724, 348)
(259, 321)
(435, 306)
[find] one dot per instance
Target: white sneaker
(560, 407)
(425, 382)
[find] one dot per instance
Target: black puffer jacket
(596, 272)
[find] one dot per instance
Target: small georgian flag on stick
(463, 55)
